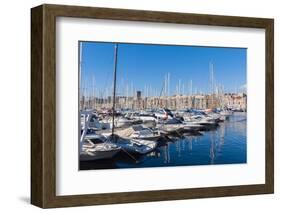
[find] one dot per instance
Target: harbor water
(227, 144)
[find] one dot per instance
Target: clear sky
(143, 66)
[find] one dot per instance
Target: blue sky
(145, 65)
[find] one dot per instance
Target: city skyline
(160, 69)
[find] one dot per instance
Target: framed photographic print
(136, 106)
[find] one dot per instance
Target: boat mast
(81, 98)
(114, 85)
(211, 67)
(81, 102)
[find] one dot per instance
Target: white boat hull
(98, 155)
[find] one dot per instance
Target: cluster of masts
(131, 98)
(89, 90)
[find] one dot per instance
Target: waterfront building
(237, 101)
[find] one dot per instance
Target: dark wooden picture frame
(43, 105)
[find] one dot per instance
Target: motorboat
(165, 116)
(93, 121)
(135, 146)
(138, 132)
(101, 151)
(120, 122)
(89, 151)
(170, 128)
